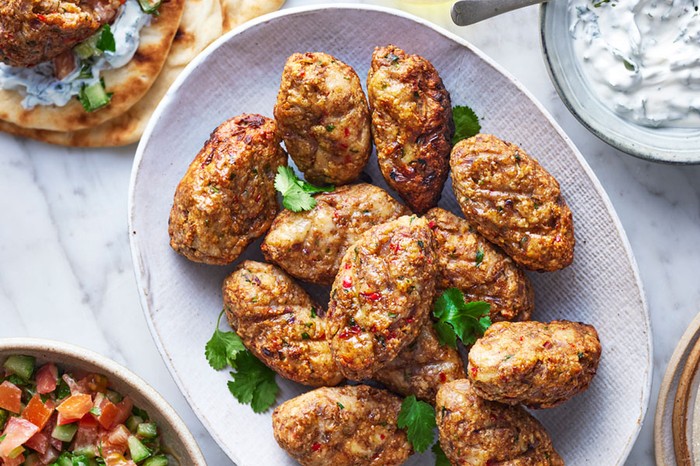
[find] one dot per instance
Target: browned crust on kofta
(382, 295)
(467, 261)
(538, 364)
(227, 197)
(513, 201)
(323, 117)
(411, 125)
(342, 426)
(309, 245)
(422, 367)
(473, 431)
(280, 323)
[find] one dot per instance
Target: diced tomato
(87, 435)
(36, 412)
(125, 406)
(46, 378)
(39, 442)
(95, 383)
(116, 440)
(73, 408)
(16, 432)
(13, 461)
(50, 456)
(10, 397)
(116, 459)
(109, 413)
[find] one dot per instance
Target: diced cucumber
(65, 433)
(85, 49)
(14, 453)
(4, 415)
(133, 423)
(147, 430)
(113, 396)
(138, 450)
(22, 366)
(88, 451)
(160, 460)
(94, 97)
(150, 6)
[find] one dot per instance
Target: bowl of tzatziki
(629, 70)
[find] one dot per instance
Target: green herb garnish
(466, 123)
(253, 382)
(223, 347)
(479, 257)
(440, 456)
(418, 419)
(105, 39)
(297, 193)
(457, 319)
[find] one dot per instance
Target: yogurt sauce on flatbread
(41, 87)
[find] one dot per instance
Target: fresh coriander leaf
(418, 419)
(446, 334)
(466, 123)
(469, 321)
(295, 192)
(253, 382)
(105, 39)
(440, 456)
(223, 347)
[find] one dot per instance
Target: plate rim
(139, 267)
(659, 155)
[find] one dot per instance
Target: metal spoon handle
(466, 12)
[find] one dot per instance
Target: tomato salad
(53, 418)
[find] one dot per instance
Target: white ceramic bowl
(669, 145)
(175, 435)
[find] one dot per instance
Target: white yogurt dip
(641, 57)
(40, 86)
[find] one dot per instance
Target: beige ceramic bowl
(175, 435)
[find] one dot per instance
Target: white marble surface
(65, 265)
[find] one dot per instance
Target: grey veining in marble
(65, 265)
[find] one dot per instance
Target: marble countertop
(65, 264)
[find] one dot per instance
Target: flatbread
(128, 84)
(203, 21)
(239, 11)
(201, 24)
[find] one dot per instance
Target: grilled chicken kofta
(309, 245)
(382, 295)
(280, 323)
(342, 426)
(422, 367)
(227, 197)
(411, 125)
(537, 364)
(467, 261)
(477, 432)
(513, 201)
(35, 31)
(323, 117)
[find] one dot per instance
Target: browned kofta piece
(382, 295)
(309, 245)
(467, 261)
(513, 201)
(537, 364)
(422, 367)
(227, 197)
(323, 116)
(477, 432)
(35, 31)
(280, 324)
(411, 124)
(342, 426)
